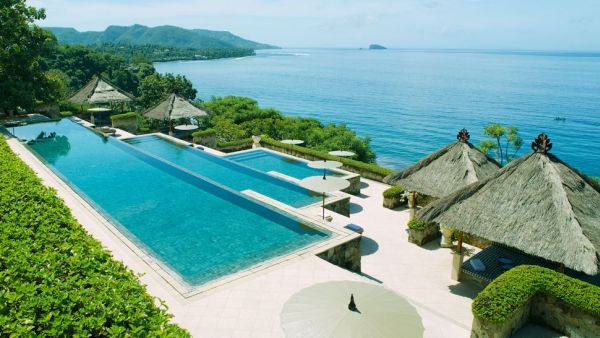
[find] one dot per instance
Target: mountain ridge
(166, 35)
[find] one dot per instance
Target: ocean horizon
(413, 101)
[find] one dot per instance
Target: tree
(23, 80)
(505, 142)
(156, 87)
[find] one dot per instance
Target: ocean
(411, 102)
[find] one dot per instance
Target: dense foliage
(23, 45)
(349, 164)
(505, 295)
(417, 224)
(155, 53)
(393, 192)
(55, 279)
(235, 118)
(156, 87)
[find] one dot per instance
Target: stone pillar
(255, 141)
(457, 260)
(446, 237)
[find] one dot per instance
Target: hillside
(169, 36)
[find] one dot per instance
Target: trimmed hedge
(202, 133)
(505, 295)
(65, 114)
(242, 142)
(55, 279)
(393, 192)
(124, 116)
(350, 163)
(417, 224)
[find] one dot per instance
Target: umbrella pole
(323, 205)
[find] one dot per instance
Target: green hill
(169, 36)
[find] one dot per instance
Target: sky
(461, 24)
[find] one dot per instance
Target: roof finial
(463, 135)
(541, 144)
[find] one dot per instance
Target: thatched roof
(537, 204)
(174, 107)
(100, 90)
(446, 170)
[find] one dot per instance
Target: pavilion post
(457, 259)
(412, 204)
(561, 268)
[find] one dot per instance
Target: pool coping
(346, 174)
(165, 274)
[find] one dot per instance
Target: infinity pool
(266, 161)
(194, 227)
(226, 172)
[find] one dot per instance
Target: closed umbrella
(324, 185)
(350, 309)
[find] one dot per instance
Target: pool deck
(251, 306)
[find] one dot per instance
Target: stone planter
(394, 202)
(423, 236)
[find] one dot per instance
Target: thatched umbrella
(537, 204)
(446, 170)
(172, 108)
(99, 90)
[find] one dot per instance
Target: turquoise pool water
(266, 161)
(197, 229)
(226, 172)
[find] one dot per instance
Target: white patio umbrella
(324, 185)
(342, 153)
(350, 309)
(97, 110)
(324, 164)
(294, 142)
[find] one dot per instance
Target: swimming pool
(231, 174)
(266, 161)
(191, 226)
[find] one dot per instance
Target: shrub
(394, 192)
(505, 295)
(349, 163)
(65, 114)
(417, 224)
(124, 116)
(55, 279)
(204, 133)
(242, 142)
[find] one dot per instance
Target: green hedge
(203, 133)
(417, 224)
(242, 142)
(55, 279)
(393, 192)
(65, 114)
(350, 163)
(124, 116)
(505, 295)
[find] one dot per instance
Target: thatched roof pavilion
(100, 90)
(446, 170)
(537, 204)
(174, 107)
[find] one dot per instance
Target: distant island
(376, 46)
(165, 36)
